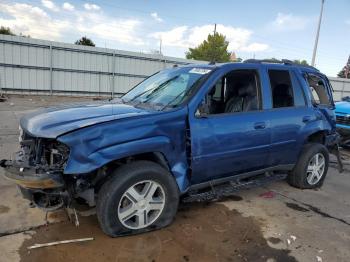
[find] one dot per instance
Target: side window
(299, 96)
(318, 89)
(237, 91)
(217, 95)
(281, 88)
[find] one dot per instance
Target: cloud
(108, 28)
(91, 7)
(119, 32)
(50, 5)
(347, 22)
(156, 17)
(67, 6)
(33, 21)
(289, 22)
(184, 37)
(255, 47)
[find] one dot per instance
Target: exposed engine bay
(38, 169)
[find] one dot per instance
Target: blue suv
(342, 112)
(194, 132)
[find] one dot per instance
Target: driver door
(229, 143)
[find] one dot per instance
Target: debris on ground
(60, 242)
(3, 98)
(268, 194)
(192, 235)
(319, 259)
(293, 237)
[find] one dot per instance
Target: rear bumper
(344, 131)
(332, 142)
(332, 139)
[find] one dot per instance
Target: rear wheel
(311, 168)
(139, 197)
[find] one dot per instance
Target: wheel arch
(317, 137)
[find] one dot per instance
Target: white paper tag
(201, 71)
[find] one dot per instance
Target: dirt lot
(271, 223)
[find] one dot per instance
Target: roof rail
(275, 61)
(270, 61)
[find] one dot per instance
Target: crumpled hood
(55, 121)
(342, 107)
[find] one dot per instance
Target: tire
(113, 195)
(300, 177)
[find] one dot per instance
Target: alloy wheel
(141, 204)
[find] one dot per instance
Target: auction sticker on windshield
(201, 71)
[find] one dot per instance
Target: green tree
(6, 31)
(213, 49)
(301, 62)
(345, 72)
(341, 73)
(84, 41)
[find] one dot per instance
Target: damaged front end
(38, 171)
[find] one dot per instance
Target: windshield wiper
(152, 91)
(176, 97)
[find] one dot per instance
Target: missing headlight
(56, 154)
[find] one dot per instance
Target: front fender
(80, 162)
(93, 147)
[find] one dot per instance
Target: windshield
(169, 87)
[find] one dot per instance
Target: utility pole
(317, 35)
(160, 46)
(213, 60)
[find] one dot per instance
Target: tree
(6, 31)
(213, 49)
(84, 41)
(301, 62)
(345, 72)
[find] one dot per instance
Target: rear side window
(318, 89)
(281, 88)
(299, 95)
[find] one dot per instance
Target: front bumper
(44, 189)
(30, 177)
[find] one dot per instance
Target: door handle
(307, 119)
(259, 125)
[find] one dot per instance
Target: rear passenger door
(289, 115)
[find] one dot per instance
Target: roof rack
(275, 61)
(270, 61)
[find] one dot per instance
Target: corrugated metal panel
(26, 64)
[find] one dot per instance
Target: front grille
(343, 120)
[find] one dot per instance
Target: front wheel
(139, 197)
(311, 167)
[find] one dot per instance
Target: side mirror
(203, 109)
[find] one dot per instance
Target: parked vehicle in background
(180, 133)
(342, 112)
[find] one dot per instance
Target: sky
(254, 28)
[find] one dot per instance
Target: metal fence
(44, 67)
(341, 87)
